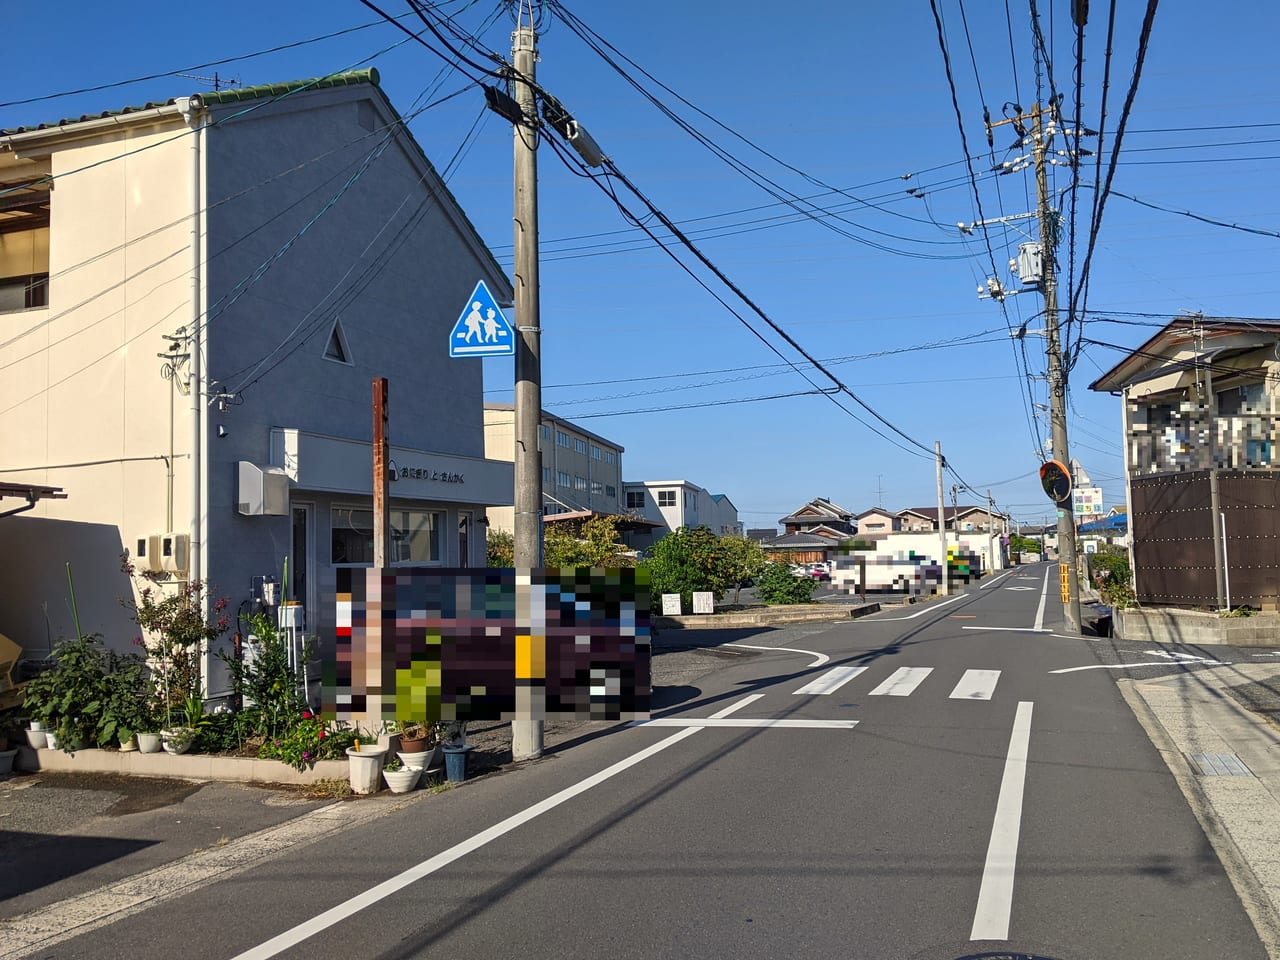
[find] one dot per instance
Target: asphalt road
(959, 788)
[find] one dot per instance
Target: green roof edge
(240, 94)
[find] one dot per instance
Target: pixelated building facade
(430, 643)
(1200, 402)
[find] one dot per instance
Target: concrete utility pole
(526, 735)
(942, 519)
(1057, 374)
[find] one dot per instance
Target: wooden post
(381, 486)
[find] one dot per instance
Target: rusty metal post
(381, 486)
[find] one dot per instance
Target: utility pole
(381, 487)
(526, 734)
(942, 520)
(1057, 374)
(991, 531)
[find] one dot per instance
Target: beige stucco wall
(86, 382)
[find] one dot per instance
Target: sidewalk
(1226, 759)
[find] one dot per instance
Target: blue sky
(847, 96)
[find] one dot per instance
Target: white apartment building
(581, 470)
(230, 233)
(675, 504)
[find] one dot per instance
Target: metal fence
(1173, 532)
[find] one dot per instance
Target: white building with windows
(581, 470)
(274, 245)
(675, 504)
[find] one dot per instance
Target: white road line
(348, 908)
(1011, 629)
(995, 896)
(976, 685)
(902, 682)
(996, 580)
(819, 658)
(829, 682)
(1148, 663)
(1044, 593)
(918, 613)
(745, 722)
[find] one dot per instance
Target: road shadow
(36, 860)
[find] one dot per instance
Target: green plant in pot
(127, 710)
(180, 739)
(72, 695)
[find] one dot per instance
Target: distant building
(675, 504)
(581, 470)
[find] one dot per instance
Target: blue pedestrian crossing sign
(482, 330)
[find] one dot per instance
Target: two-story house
(279, 247)
(1200, 400)
(672, 504)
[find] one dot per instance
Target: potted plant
(456, 749)
(365, 766)
(400, 778)
(179, 739)
(420, 744)
(127, 708)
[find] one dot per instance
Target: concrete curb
(1192, 714)
(187, 766)
(800, 613)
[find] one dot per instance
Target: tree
(592, 544)
(500, 549)
(686, 560)
(743, 559)
(777, 584)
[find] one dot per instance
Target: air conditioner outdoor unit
(263, 491)
(146, 558)
(175, 550)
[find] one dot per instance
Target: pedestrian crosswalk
(902, 682)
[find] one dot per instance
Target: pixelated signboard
(432, 643)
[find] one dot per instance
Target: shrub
(1114, 580)
(308, 739)
(778, 585)
(500, 549)
(88, 693)
(268, 680)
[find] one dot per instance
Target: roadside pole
(1057, 376)
(526, 734)
(942, 519)
(381, 488)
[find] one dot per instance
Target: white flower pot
(365, 769)
(37, 739)
(129, 746)
(402, 780)
(423, 760)
(51, 740)
(177, 741)
(148, 743)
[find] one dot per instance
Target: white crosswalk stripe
(902, 682)
(973, 685)
(976, 685)
(829, 682)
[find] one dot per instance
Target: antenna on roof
(215, 81)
